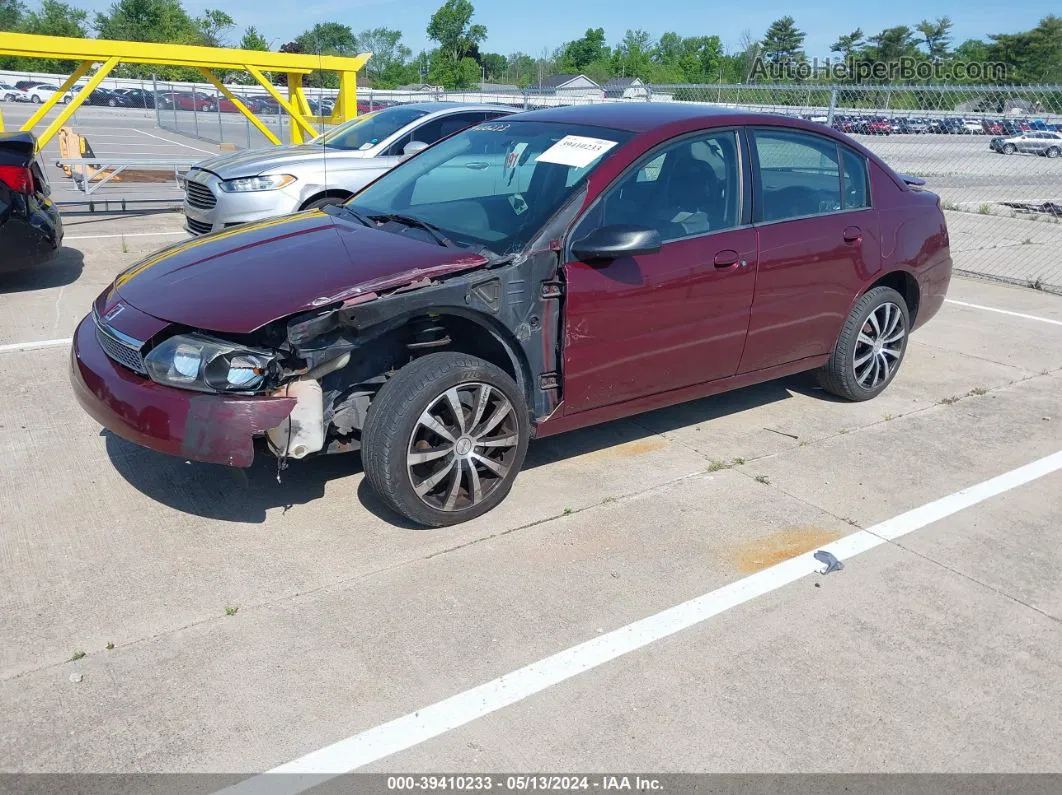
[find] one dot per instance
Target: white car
(11, 93)
(44, 92)
(973, 127)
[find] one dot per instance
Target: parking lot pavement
(919, 655)
(124, 133)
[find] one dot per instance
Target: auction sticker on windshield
(575, 150)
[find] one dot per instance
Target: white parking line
(431, 721)
(33, 346)
(176, 143)
(130, 234)
(1004, 312)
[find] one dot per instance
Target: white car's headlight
(253, 184)
(191, 361)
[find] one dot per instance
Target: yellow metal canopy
(109, 54)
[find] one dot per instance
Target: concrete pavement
(253, 623)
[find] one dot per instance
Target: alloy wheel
(462, 446)
(879, 346)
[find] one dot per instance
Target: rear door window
(799, 174)
(856, 185)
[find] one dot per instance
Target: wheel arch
(906, 285)
(331, 193)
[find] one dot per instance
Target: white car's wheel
(35, 99)
(1009, 149)
(1054, 151)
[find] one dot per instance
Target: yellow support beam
(347, 101)
(82, 70)
(240, 106)
(296, 117)
(205, 59)
(33, 46)
(68, 109)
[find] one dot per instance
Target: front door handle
(726, 258)
(852, 234)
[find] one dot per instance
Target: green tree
(253, 40)
(11, 12)
(936, 36)
(1033, 56)
(783, 43)
(390, 57)
(575, 56)
(521, 69)
(53, 18)
(328, 38)
(691, 59)
(213, 25)
(848, 45)
(494, 66)
(632, 56)
(451, 26)
(147, 20)
(891, 44)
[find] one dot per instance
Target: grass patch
(766, 481)
(109, 646)
(985, 209)
(77, 655)
(977, 390)
(232, 610)
(717, 465)
(949, 400)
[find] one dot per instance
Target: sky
(511, 26)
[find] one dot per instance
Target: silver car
(1040, 142)
(249, 186)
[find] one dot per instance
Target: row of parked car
(952, 125)
(38, 92)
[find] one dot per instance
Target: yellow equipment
(109, 54)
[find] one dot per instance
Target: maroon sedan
(527, 276)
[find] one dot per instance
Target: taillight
(18, 178)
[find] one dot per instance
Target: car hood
(257, 161)
(240, 279)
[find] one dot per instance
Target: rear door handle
(726, 258)
(852, 234)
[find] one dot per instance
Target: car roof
(441, 107)
(640, 117)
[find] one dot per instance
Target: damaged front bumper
(212, 428)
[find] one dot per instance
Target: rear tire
(1054, 151)
(454, 425)
(870, 347)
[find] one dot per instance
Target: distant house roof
(499, 87)
(419, 87)
(560, 81)
(618, 86)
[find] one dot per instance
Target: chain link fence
(993, 154)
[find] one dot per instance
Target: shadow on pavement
(64, 269)
(245, 495)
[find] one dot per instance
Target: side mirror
(413, 147)
(617, 240)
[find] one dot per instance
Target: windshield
(369, 129)
(492, 186)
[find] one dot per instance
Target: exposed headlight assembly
(192, 361)
(254, 184)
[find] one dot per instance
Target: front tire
(326, 201)
(445, 438)
(1009, 149)
(870, 347)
